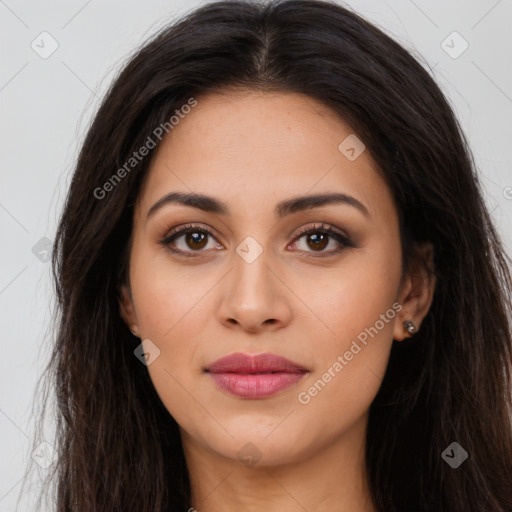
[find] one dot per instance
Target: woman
(278, 283)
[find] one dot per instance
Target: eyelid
(176, 232)
(341, 237)
(319, 226)
(183, 229)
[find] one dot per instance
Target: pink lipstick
(255, 376)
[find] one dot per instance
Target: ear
(417, 291)
(127, 310)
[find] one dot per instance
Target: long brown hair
(119, 448)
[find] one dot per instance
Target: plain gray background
(47, 103)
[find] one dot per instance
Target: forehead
(256, 148)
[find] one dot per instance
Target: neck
(326, 479)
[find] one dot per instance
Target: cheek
(352, 298)
(170, 303)
(358, 309)
(166, 294)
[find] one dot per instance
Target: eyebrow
(287, 207)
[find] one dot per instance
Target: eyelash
(324, 229)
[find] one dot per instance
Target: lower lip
(258, 385)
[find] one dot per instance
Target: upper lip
(250, 363)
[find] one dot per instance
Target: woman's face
(249, 280)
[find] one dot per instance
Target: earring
(410, 327)
(133, 333)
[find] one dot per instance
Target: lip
(255, 376)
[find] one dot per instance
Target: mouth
(255, 376)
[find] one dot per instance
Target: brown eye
(189, 239)
(196, 240)
(317, 241)
(317, 238)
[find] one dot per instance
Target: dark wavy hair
(119, 448)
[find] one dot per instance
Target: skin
(252, 150)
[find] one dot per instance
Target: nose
(253, 297)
